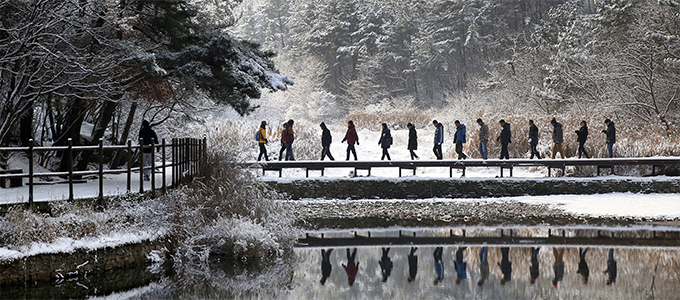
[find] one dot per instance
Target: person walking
(290, 137)
(261, 138)
(148, 137)
(558, 138)
(459, 139)
(351, 137)
(326, 140)
(611, 137)
(533, 139)
(504, 138)
(385, 141)
(284, 133)
(483, 139)
(438, 139)
(582, 136)
(412, 140)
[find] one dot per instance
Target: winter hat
(409, 125)
(350, 123)
(553, 121)
(263, 124)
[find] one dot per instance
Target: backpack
(258, 135)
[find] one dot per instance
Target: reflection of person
(611, 268)
(385, 264)
(412, 140)
(460, 265)
(506, 265)
(583, 265)
(412, 264)
(483, 265)
(438, 265)
(533, 265)
(326, 140)
(351, 268)
(326, 266)
(351, 137)
(148, 137)
(558, 266)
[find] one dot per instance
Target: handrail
(608, 163)
(186, 160)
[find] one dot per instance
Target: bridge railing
(508, 164)
(185, 157)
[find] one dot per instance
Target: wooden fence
(187, 158)
(507, 164)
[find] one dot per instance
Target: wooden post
(153, 168)
(30, 173)
(70, 169)
(101, 171)
(174, 162)
(141, 166)
(204, 163)
(164, 162)
(129, 166)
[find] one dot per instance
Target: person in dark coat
(506, 265)
(611, 136)
(148, 137)
(412, 264)
(534, 266)
(558, 266)
(533, 139)
(385, 264)
(583, 269)
(504, 138)
(460, 265)
(611, 268)
(351, 268)
(558, 138)
(351, 137)
(582, 134)
(283, 140)
(438, 265)
(289, 138)
(438, 139)
(459, 139)
(385, 141)
(326, 140)
(326, 266)
(262, 141)
(412, 140)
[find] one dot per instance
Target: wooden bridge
(496, 236)
(656, 163)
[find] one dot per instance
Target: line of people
(460, 265)
(459, 138)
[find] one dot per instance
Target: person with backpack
(438, 139)
(558, 138)
(611, 136)
(351, 137)
(459, 139)
(326, 140)
(261, 138)
(533, 139)
(412, 140)
(582, 134)
(287, 138)
(483, 139)
(504, 139)
(385, 141)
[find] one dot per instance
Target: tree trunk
(124, 137)
(71, 129)
(26, 126)
(105, 114)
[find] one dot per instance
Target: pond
(495, 263)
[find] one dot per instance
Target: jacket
(287, 135)
(505, 135)
(611, 133)
(412, 139)
(326, 138)
(459, 137)
(582, 134)
(439, 134)
(483, 132)
(558, 136)
(148, 136)
(385, 139)
(263, 136)
(533, 134)
(351, 136)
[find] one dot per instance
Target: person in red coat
(351, 137)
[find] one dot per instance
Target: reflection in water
(351, 268)
(412, 264)
(558, 265)
(611, 267)
(583, 265)
(483, 265)
(326, 266)
(460, 265)
(385, 264)
(506, 265)
(534, 265)
(438, 265)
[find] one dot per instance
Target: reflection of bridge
(496, 236)
(509, 164)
